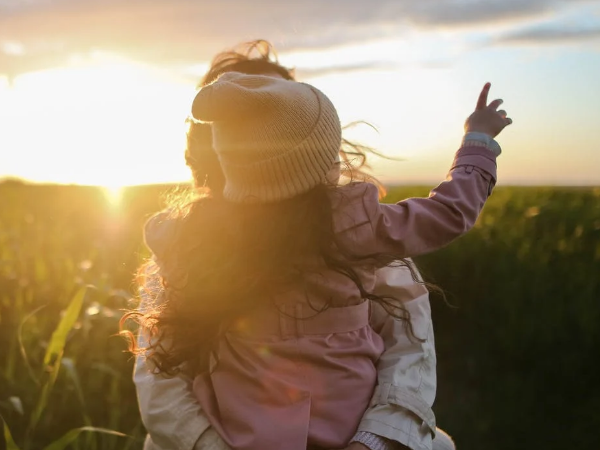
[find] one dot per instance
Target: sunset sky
(96, 92)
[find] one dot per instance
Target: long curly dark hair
(224, 259)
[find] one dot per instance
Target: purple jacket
(307, 379)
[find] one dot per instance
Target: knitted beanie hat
(275, 138)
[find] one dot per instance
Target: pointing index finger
(482, 100)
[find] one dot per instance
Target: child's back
(303, 370)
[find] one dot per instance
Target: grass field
(516, 354)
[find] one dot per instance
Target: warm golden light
(103, 122)
(114, 194)
(111, 121)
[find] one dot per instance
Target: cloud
(187, 31)
(309, 72)
(482, 12)
(550, 35)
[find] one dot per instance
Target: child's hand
(486, 118)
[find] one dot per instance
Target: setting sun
(93, 122)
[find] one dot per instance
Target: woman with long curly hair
(262, 285)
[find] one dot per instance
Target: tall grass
(66, 262)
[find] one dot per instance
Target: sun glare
(114, 194)
(109, 122)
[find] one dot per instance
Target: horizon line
(389, 184)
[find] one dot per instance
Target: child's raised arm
(420, 225)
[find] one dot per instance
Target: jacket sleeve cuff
(479, 157)
(375, 442)
(482, 140)
(400, 418)
(399, 426)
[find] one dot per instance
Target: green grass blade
(59, 337)
(8, 440)
(54, 352)
(70, 436)
(69, 367)
(42, 400)
(22, 345)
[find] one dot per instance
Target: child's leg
(442, 441)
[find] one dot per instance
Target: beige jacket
(400, 409)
